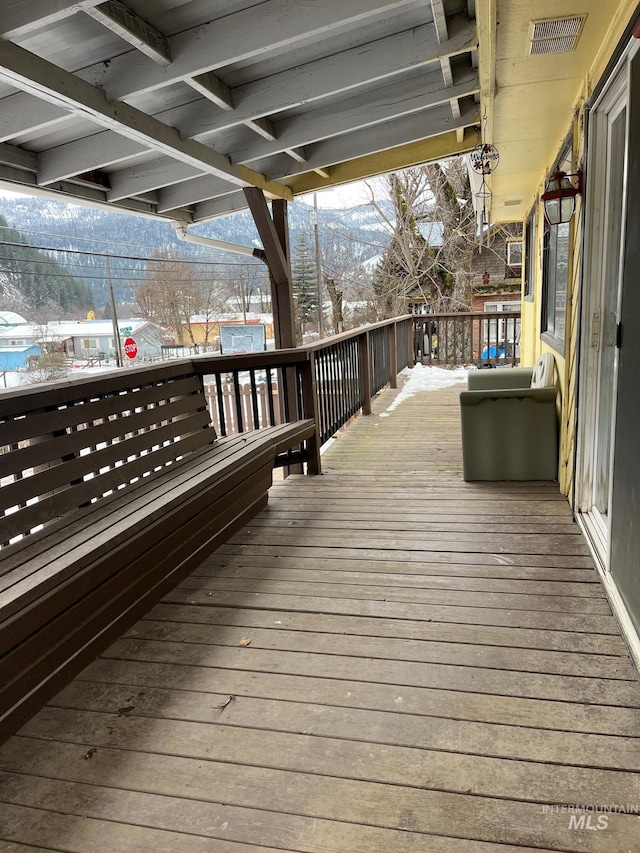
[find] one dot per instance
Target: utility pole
(318, 266)
(114, 316)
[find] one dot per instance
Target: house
(204, 332)
(86, 339)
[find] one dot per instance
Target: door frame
(585, 422)
(612, 99)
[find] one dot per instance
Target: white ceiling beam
(342, 72)
(54, 85)
(22, 16)
(18, 158)
(400, 99)
(147, 177)
(440, 19)
(297, 154)
(222, 206)
(23, 114)
(122, 21)
(409, 129)
(190, 192)
(403, 97)
(75, 158)
(350, 69)
(372, 140)
(264, 127)
(447, 73)
(63, 191)
(244, 35)
(212, 88)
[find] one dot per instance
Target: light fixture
(560, 196)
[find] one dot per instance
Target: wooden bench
(112, 490)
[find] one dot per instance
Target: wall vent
(556, 35)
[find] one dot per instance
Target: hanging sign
(484, 158)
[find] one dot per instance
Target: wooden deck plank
(388, 659)
(308, 833)
(240, 556)
(342, 759)
(336, 572)
(360, 625)
(324, 795)
(389, 648)
(440, 676)
(473, 542)
(546, 620)
(395, 591)
(542, 714)
(409, 555)
(312, 722)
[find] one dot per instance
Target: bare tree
(182, 295)
(432, 239)
(246, 285)
(347, 278)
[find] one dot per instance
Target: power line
(78, 237)
(128, 257)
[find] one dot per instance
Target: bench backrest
(66, 445)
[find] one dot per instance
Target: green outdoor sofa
(510, 423)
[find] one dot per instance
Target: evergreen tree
(32, 279)
(305, 284)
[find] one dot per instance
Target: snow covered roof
(10, 318)
(26, 330)
(20, 348)
(92, 328)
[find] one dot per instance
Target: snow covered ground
(427, 378)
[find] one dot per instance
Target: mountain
(93, 244)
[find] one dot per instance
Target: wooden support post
(365, 372)
(411, 345)
(393, 356)
(310, 410)
(274, 233)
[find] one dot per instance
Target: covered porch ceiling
(171, 108)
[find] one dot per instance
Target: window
(514, 259)
(555, 273)
(555, 279)
(89, 344)
(529, 255)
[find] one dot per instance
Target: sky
(347, 195)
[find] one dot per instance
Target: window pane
(562, 279)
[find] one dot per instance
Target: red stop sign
(130, 348)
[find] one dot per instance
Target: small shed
(17, 358)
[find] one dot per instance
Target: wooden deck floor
(387, 660)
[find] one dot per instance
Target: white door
(604, 247)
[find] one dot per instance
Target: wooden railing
(465, 338)
(330, 381)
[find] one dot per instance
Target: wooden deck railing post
(393, 356)
(310, 410)
(411, 337)
(364, 350)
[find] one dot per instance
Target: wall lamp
(560, 196)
